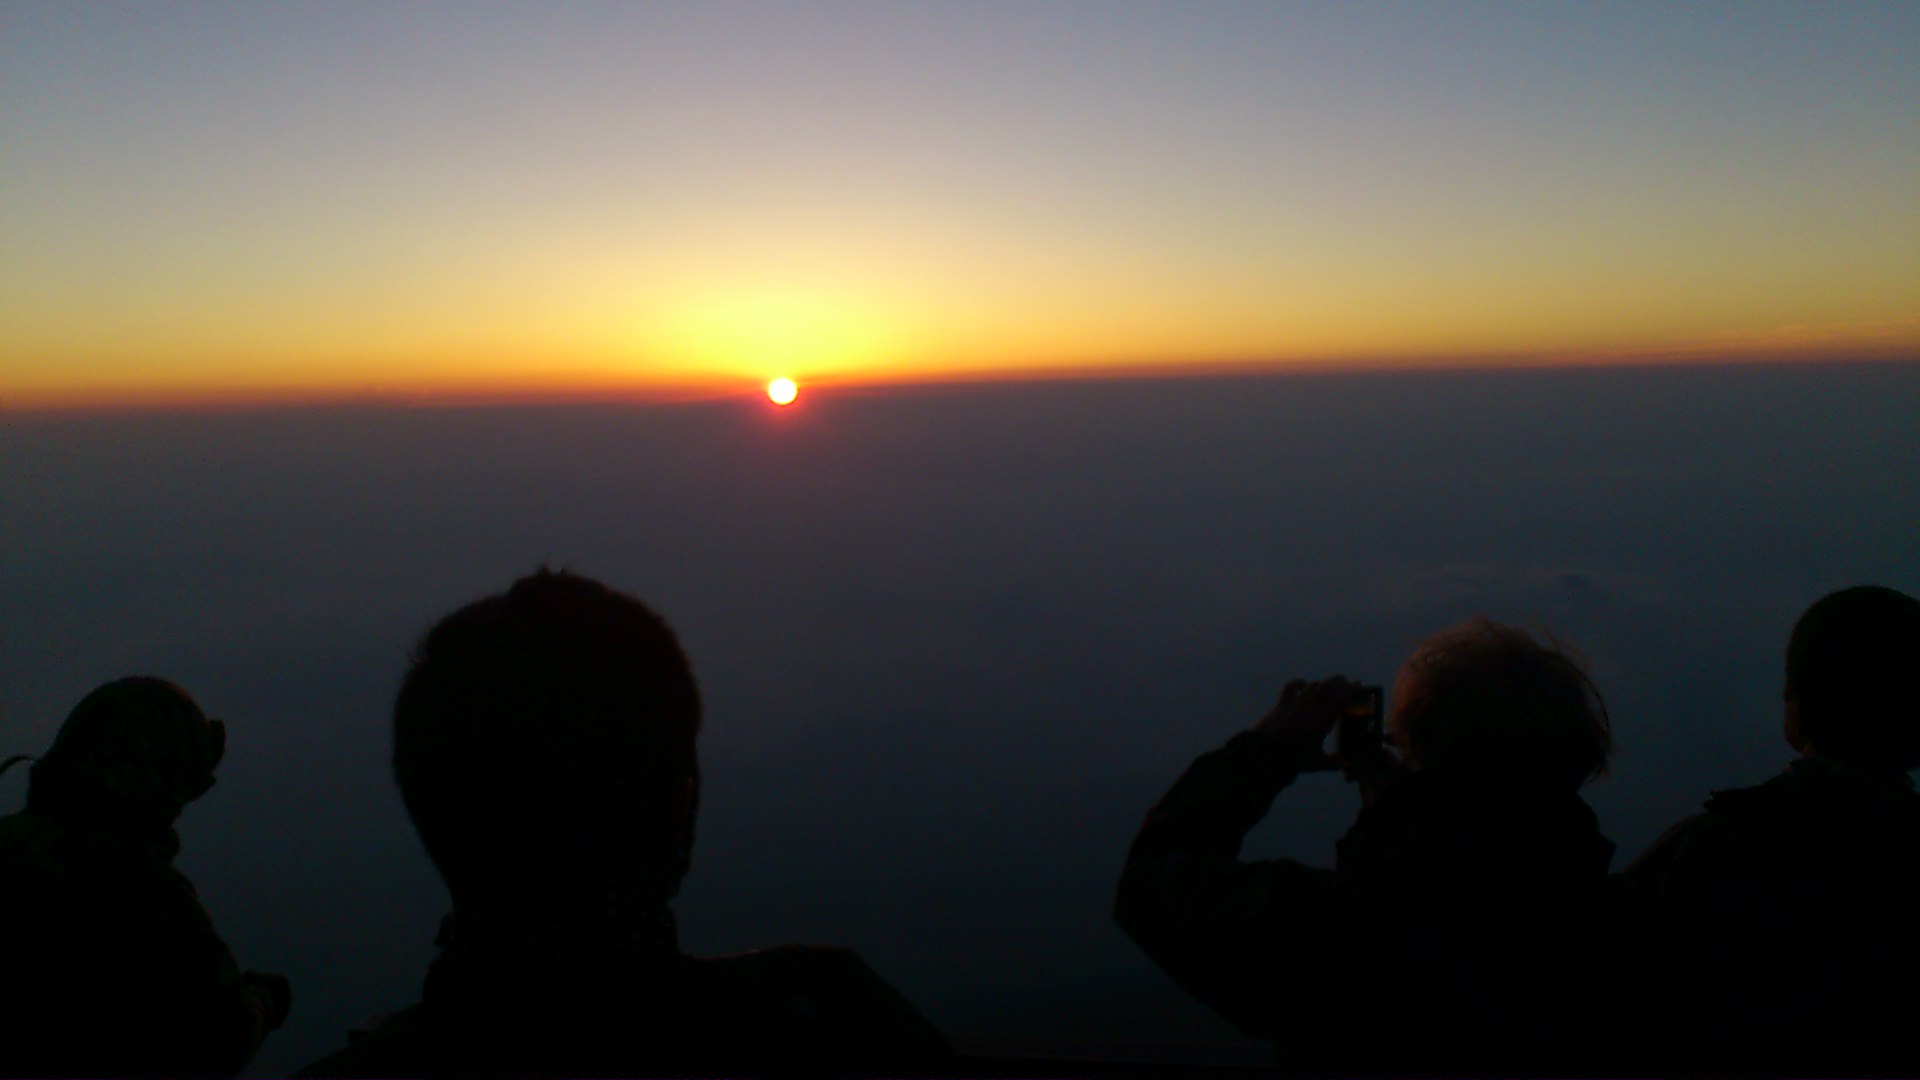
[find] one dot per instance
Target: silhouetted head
(137, 748)
(543, 740)
(1492, 699)
(1850, 665)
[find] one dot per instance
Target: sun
(782, 391)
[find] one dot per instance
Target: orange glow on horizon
(212, 396)
(495, 381)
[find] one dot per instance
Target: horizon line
(504, 393)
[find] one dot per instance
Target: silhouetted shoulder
(773, 1011)
(1784, 912)
(401, 1043)
(828, 1000)
(1820, 827)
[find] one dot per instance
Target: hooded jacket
(113, 967)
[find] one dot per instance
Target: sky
(212, 201)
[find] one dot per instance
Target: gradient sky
(220, 199)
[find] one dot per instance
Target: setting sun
(782, 391)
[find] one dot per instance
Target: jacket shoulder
(824, 1000)
(397, 1044)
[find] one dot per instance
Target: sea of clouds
(954, 641)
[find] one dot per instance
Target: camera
(1359, 731)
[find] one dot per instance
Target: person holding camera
(1467, 925)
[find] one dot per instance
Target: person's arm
(201, 1016)
(1225, 930)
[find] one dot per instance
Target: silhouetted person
(544, 742)
(1793, 907)
(112, 967)
(1459, 930)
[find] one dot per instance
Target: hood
(134, 751)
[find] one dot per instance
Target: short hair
(1850, 664)
(1490, 698)
(539, 736)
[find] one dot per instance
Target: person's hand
(273, 996)
(1303, 716)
